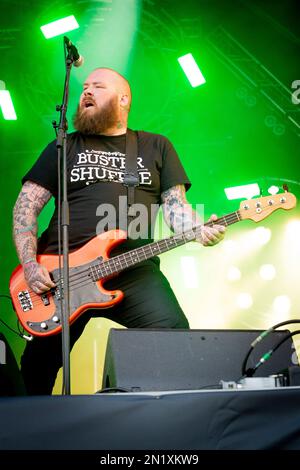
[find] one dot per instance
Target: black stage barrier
(163, 359)
(158, 419)
(190, 420)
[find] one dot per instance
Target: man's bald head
(121, 83)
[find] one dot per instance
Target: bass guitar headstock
(259, 208)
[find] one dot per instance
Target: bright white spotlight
(191, 69)
(262, 235)
(246, 191)
(58, 27)
(233, 274)
(267, 272)
(273, 190)
(244, 300)
(189, 270)
(293, 231)
(281, 305)
(6, 104)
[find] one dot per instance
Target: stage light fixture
(191, 70)
(189, 270)
(233, 274)
(292, 232)
(6, 104)
(58, 27)
(244, 300)
(240, 192)
(273, 190)
(267, 272)
(261, 236)
(282, 305)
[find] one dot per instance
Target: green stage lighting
(191, 69)
(58, 27)
(7, 106)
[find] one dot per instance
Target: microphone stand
(63, 220)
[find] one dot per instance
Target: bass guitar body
(40, 315)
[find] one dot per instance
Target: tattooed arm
(29, 204)
(180, 216)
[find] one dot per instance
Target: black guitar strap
(131, 177)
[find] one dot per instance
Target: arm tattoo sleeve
(29, 204)
(178, 213)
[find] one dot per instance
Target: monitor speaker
(164, 359)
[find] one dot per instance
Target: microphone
(75, 56)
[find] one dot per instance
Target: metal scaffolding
(251, 71)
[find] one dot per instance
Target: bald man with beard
(96, 161)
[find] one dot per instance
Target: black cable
(259, 338)
(2, 321)
(267, 355)
(6, 296)
(11, 329)
(23, 333)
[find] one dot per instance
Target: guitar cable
(18, 333)
(251, 370)
(260, 338)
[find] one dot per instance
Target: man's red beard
(97, 121)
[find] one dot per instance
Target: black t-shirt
(97, 197)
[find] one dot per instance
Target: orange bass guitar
(90, 266)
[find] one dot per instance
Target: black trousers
(149, 303)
